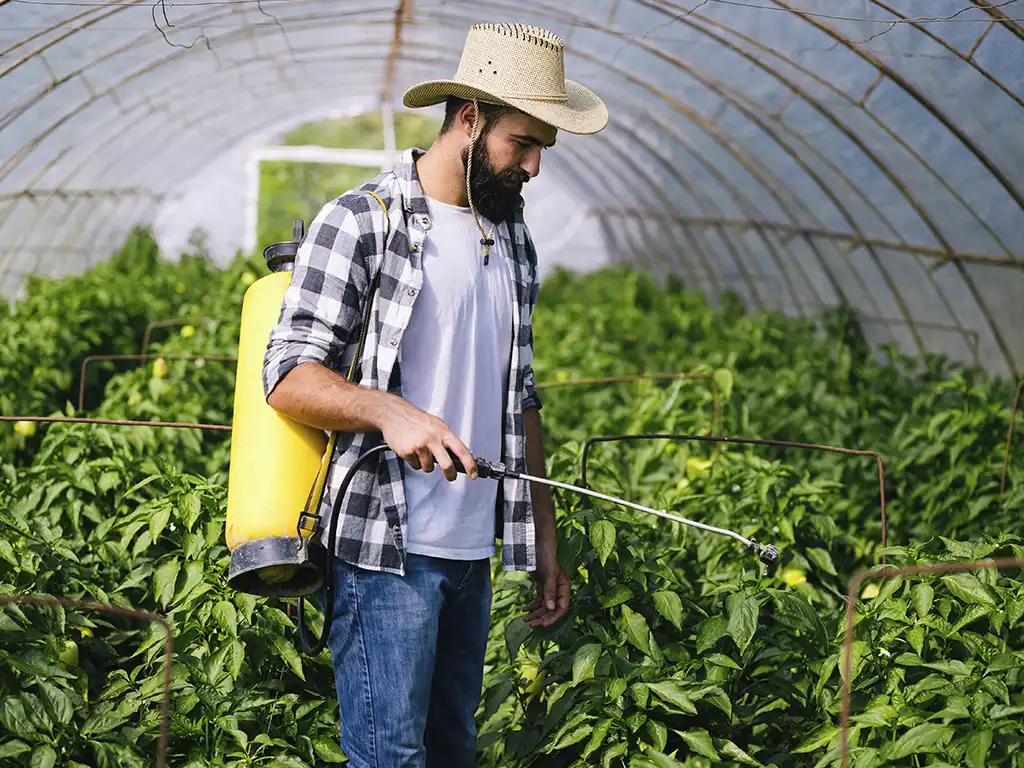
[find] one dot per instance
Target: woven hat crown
(521, 66)
(514, 61)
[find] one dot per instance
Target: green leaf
(915, 637)
(658, 733)
(742, 610)
(997, 688)
(14, 748)
(43, 757)
(669, 605)
(572, 736)
(516, 632)
(968, 588)
(193, 578)
(14, 718)
(602, 535)
(729, 749)
(817, 738)
(33, 662)
(921, 595)
(711, 631)
(99, 722)
(999, 711)
(597, 736)
(615, 750)
(723, 378)
(637, 631)
(7, 553)
(859, 653)
(614, 687)
(978, 745)
(164, 579)
(1003, 661)
(652, 758)
(721, 660)
(585, 661)
(971, 615)
(878, 714)
(671, 692)
(287, 651)
(927, 737)
(640, 693)
(108, 480)
(189, 509)
(285, 761)
(158, 521)
(224, 613)
(328, 750)
(699, 740)
(617, 595)
(822, 560)
(57, 702)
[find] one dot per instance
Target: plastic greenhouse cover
(803, 152)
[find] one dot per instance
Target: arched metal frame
(763, 168)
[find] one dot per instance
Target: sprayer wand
(767, 553)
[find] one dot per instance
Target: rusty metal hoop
(888, 571)
(165, 707)
(119, 422)
(150, 327)
(108, 358)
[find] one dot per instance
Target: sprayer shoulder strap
(316, 492)
(372, 289)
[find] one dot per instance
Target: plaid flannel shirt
(320, 322)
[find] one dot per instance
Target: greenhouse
(765, 284)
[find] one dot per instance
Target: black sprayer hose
(328, 575)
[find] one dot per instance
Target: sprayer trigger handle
(482, 465)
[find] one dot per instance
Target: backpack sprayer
(271, 553)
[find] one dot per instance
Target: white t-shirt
(455, 356)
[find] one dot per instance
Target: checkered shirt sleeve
(321, 309)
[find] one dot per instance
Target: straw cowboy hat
(522, 67)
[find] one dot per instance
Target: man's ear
(466, 116)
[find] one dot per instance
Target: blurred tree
(292, 190)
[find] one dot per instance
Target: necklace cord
(486, 240)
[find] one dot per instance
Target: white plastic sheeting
(803, 153)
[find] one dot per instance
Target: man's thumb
(549, 594)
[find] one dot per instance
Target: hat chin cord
(486, 240)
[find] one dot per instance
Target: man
(445, 371)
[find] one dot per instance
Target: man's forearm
(316, 396)
(540, 495)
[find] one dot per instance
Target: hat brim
(583, 112)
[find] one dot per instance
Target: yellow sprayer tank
(274, 459)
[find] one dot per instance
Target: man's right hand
(423, 440)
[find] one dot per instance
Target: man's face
(506, 157)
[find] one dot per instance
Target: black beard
(491, 195)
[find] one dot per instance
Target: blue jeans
(408, 657)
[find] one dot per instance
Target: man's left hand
(552, 600)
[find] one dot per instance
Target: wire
(952, 18)
(889, 23)
(922, 19)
